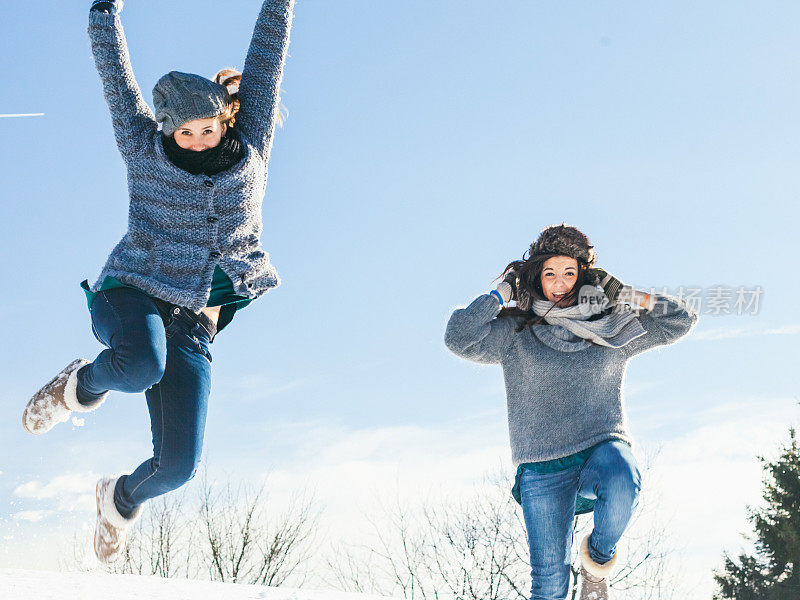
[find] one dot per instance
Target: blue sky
(426, 146)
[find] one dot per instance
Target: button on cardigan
(171, 249)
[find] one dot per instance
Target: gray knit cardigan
(181, 226)
(564, 394)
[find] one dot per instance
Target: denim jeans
(611, 476)
(165, 355)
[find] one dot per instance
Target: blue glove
(113, 7)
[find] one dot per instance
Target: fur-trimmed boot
(594, 577)
(55, 402)
(111, 531)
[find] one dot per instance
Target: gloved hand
(511, 279)
(610, 284)
(507, 289)
(634, 299)
(621, 294)
(107, 6)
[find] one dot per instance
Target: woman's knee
(175, 474)
(623, 485)
(619, 472)
(141, 365)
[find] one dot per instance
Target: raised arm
(132, 118)
(668, 320)
(259, 90)
(665, 318)
(476, 334)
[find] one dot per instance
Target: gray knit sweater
(564, 394)
(181, 226)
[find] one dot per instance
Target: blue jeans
(548, 504)
(171, 364)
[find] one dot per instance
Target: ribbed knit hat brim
(182, 97)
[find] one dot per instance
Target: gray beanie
(181, 97)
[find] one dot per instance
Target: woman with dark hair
(564, 348)
(191, 258)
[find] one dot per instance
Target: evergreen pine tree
(773, 573)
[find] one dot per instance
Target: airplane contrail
(23, 115)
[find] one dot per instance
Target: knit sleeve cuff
(666, 304)
(487, 306)
(102, 19)
(497, 295)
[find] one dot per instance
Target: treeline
(473, 548)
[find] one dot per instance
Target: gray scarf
(613, 330)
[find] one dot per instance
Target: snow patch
(42, 585)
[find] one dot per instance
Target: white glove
(503, 292)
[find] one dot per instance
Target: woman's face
(200, 134)
(559, 275)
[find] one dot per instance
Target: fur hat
(565, 240)
(182, 97)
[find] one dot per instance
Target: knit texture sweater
(564, 394)
(181, 226)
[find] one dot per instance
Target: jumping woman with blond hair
(564, 346)
(197, 173)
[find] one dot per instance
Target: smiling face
(559, 275)
(200, 134)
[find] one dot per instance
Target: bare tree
(350, 570)
(161, 543)
(241, 544)
(478, 549)
(222, 532)
(465, 550)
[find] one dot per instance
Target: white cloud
(722, 333)
(34, 516)
(71, 492)
(353, 474)
(257, 386)
(348, 465)
(725, 333)
(785, 330)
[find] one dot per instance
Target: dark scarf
(207, 162)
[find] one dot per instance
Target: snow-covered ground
(48, 585)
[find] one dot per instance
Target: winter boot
(56, 401)
(594, 577)
(111, 531)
